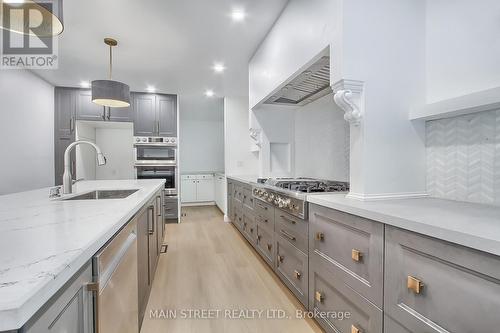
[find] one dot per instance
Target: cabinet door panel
(143, 262)
(144, 115)
(166, 110)
(205, 190)
(265, 243)
(122, 114)
(86, 109)
(65, 108)
(152, 242)
(188, 190)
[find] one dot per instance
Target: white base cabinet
(197, 188)
(220, 192)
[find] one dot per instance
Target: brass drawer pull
(297, 275)
(356, 255)
(259, 237)
(269, 246)
(281, 258)
(414, 284)
(354, 329)
(287, 235)
(319, 297)
(287, 219)
(320, 236)
(251, 230)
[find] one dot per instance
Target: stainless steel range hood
(310, 85)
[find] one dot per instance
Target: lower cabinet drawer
(249, 228)
(340, 308)
(352, 246)
(292, 268)
(265, 244)
(435, 286)
(238, 219)
(292, 229)
(263, 210)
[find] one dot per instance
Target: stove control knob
(144, 140)
(137, 139)
(287, 203)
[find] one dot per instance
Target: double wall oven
(156, 158)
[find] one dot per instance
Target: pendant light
(51, 11)
(110, 93)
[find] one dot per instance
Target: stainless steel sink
(103, 194)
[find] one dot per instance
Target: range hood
(310, 85)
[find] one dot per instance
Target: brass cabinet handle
(287, 235)
(269, 246)
(297, 275)
(287, 219)
(414, 284)
(356, 255)
(320, 236)
(354, 329)
(151, 230)
(319, 297)
(280, 258)
(251, 230)
(258, 238)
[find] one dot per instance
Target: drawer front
(249, 228)
(265, 244)
(391, 326)
(292, 268)
(440, 287)
(208, 176)
(353, 246)
(264, 210)
(237, 204)
(292, 229)
(248, 200)
(238, 192)
(264, 222)
(350, 310)
(238, 219)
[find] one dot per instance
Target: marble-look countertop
(43, 242)
(473, 225)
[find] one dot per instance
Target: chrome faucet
(67, 177)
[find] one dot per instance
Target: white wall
(116, 143)
(321, 141)
(26, 132)
(238, 158)
(462, 47)
(201, 140)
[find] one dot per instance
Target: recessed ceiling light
(238, 15)
(151, 89)
(209, 93)
(219, 67)
(85, 84)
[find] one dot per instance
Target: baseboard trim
(192, 204)
(387, 196)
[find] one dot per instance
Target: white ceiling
(170, 44)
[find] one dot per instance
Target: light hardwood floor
(209, 265)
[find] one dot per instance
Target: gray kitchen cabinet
(86, 109)
(350, 312)
(265, 243)
(152, 241)
(292, 267)
(166, 113)
(64, 129)
(352, 246)
(144, 114)
(435, 286)
(160, 223)
(155, 115)
(249, 228)
(230, 208)
(61, 143)
(293, 229)
(69, 310)
(143, 270)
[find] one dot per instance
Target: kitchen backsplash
(463, 158)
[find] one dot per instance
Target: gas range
(289, 194)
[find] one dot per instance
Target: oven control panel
(289, 204)
(147, 140)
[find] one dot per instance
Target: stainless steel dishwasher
(115, 284)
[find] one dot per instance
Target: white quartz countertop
(473, 225)
(43, 243)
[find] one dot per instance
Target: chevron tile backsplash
(463, 158)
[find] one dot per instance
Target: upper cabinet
(87, 110)
(65, 110)
(155, 115)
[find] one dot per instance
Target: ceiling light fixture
(209, 93)
(151, 89)
(219, 67)
(238, 15)
(108, 92)
(49, 24)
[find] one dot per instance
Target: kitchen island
(44, 242)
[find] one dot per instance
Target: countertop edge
(16, 318)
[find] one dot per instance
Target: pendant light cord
(110, 61)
